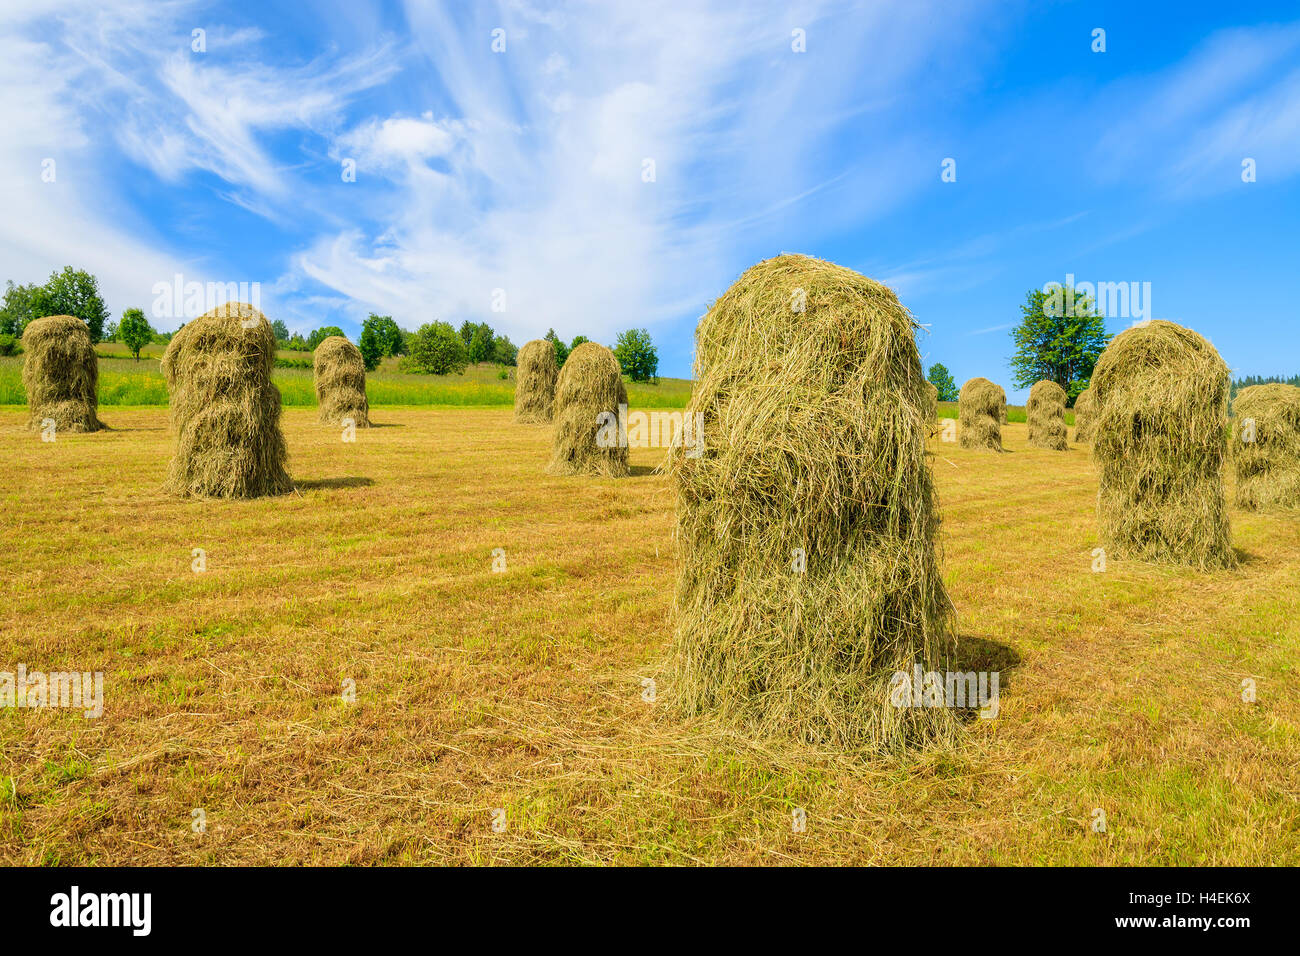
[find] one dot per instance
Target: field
(522, 690)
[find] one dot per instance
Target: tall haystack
(1085, 416)
(340, 374)
(807, 568)
(980, 405)
(1266, 446)
(588, 396)
(1045, 412)
(535, 376)
(1160, 442)
(224, 408)
(61, 374)
(932, 408)
(1002, 407)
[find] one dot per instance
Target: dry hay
(979, 407)
(932, 408)
(61, 374)
(1002, 407)
(1085, 416)
(814, 427)
(1045, 412)
(535, 376)
(1266, 446)
(340, 374)
(1160, 440)
(590, 387)
(224, 408)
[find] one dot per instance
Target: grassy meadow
(124, 381)
(523, 690)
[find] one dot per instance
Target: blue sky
(523, 171)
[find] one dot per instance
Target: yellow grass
(522, 690)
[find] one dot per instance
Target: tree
(637, 355)
(280, 330)
(577, 340)
(480, 344)
(297, 343)
(74, 292)
(135, 331)
(561, 350)
(18, 308)
(1060, 339)
(436, 349)
(371, 349)
(320, 335)
(942, 380)
(505, 351)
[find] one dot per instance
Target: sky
(594, 167)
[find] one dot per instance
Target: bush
(637, 355)
(436, 349)
(9, 344)
(320, 335)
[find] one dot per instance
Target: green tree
(74, 292)
(577, 340)
(135, 331)
(1059, 339)
(942, 380)
(280, 330)
(436, 349)
(18, 308)
(480, 344)
(297, 343)
(320, 335)
(561, 350)
(371, 349)
(637, 355)
(505, 351)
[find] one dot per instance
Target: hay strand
(1160, 442)
(61, 374)
(1085, 416)
(340, 376)
(224, 408)
(589, 386)
(1045, 412)
(814, 426)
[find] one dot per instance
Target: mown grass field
(522, 690)
(124, 381)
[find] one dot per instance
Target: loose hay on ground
(1045, 413)
(589, 387)
(340, 375)
(979, 407)
(1266, 446)
(224, 408)
(814, 428)
(61, 374)
(1160, 442)
(535, 378)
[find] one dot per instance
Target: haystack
(61, 374)
(224, 408)
(340, 374)
(1266, 446)
(932, 407)
(589, 386)
(1045, 412)
(808, 574)
(1160, 442)
(1002, 406)
(1085, 416)
(535, 377)
(980, 406)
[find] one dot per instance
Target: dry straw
(1266, 446)
(1002, 405)
(807, 571)
(1085, 416)
(224, 408)
(932, 408)
(340, 374)
(535, 376)
(590, 388)
(61, 374)
(979, 406)
(1045, 412)
(1160, 441)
